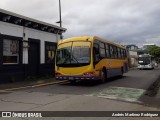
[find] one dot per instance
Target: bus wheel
(103, 76)
(122, 72)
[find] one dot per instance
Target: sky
(121, 21)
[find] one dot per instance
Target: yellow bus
(89, 58)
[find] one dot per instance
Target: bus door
(96, 58)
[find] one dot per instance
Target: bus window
(73, 54)
(96, 54)
(111, 51)
(119, 53)
(115, 52)
(101, 45)
(63, 55)
(81, 52)
(107, 51)
(125, 54)
(102, 50)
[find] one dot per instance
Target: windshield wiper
(75, 58)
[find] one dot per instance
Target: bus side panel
(115, 67)
(112, 66)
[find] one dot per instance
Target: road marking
(32, 86)
(50, 83)
(64, 83)
(120, 93)
(3, 91)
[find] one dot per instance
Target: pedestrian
(156, 64)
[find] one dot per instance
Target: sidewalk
(158, 92)
(158, 85)
(28, 83)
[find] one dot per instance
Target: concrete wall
(22, 70)
(17, 31)
(133, 58)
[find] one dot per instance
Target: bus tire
(122, 71)
(103, 76)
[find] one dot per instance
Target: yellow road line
(38, 85)
(64, 83)
(3, 91)
(50, 83)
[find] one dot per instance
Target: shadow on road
(149, 97)
(90, 83)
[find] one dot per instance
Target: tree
(154, 51)
(142, 52)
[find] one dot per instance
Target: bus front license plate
(71, 78)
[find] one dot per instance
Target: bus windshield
(73, 54)
(144, 60)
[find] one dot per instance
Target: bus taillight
(57, 74)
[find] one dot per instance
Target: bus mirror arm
(93, 65)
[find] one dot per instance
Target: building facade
(27, 47)
(133, 58)
(145, 46)
(133, 55)
(132, 47)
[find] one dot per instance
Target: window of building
(132, 47)
(10, 51)
(50, 49)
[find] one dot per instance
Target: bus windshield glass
(144, 60)
(73, 54)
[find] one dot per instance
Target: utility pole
(60, 13)
(60, 18)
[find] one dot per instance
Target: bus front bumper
(144, 66)
(77, 78)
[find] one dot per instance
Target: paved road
(114, 95)
(139, 79)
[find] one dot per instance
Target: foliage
(140, 52)
(154, 51)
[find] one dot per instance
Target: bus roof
(103, 40)
(89, 38)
